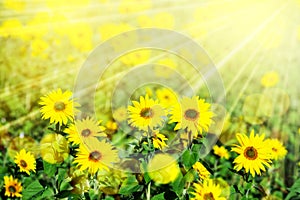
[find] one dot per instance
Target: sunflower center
(146, 113)
(23, 163)
(191, 114)
(95, 156)
(274, 149)
(166, 97)
(86, 132)
(250, 153)
(12, 189)
(59, 106)
(208, 196)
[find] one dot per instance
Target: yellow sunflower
(146, 114)
(277, 149)
(120, 114)
(254, 153)
(192, 114)
(84, 129)
(96, 155)
(159, 141)
(166, 97)
(25, 161)
(12, 186)
(58, 107)
(202, 171)
(269, 79)
(207, 190)
(221, 151)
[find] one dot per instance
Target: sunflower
(166, 97)
(84, 129)
(146, 114)
(192, 114)
(202, 171)
(12, 186)
(96, 155)
(269, 79)
(254, 153)
(58, 107)
(159, 141)
(278, 150)
(207, 190)
(120, 114)
(221, 151)
(25, 161)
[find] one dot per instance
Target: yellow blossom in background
(192, 114)
(25, 161)
(201, 170)
(160, 20)
(163, 168)
(11, 27)
(110, 181)
(54, 4)
(16, 5)
(13, 187)
(38, 48)
(37, 27)
(165, 67)
(83, 130)
(277, 149)
(164, 20)
(80, 35)
(111, 126)
(136, 58)
(254, 153)
(96, 155)
(132, 6)
(146, 113)
(166, 97)
(159, 141)
(58, 107)
(221, 151)
(109, 30)
(54, 148)
(270, 79)
(120, 114)
(207, 190)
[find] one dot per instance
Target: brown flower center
(208, 196)
(167, 97)
(12, 189)
(250, 153)
(274, 149)
(23, 163)
(59, 106)
(95, 156)
(86, 132)
(146, 113)
(191, 114)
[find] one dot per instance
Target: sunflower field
(150, 99)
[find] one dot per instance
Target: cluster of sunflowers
(163, 150)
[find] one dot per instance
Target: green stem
(149, 191)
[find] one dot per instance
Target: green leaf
(32, 189)
(294, 190)
(178, 184)
(49, 169)
(3, 171)
(130, 185)
(61, 175)
(189, 158)
(47, 193)
(158, 197)
(63, 194)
